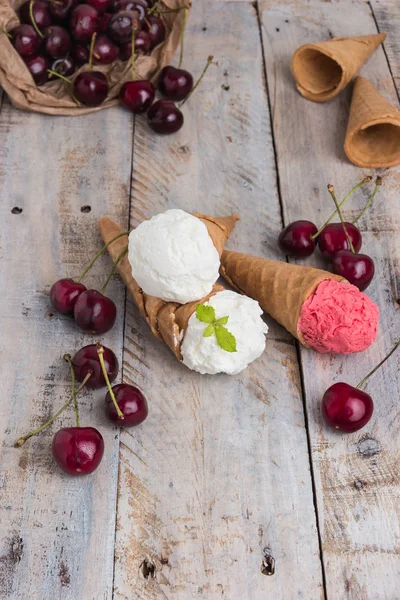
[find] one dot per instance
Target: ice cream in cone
(320, 309)
(323, 69)
(373, 131)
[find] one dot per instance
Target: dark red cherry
(131, 402)
(63, 295)
(121, 25)
(100, 5)
(104, 20)
(38, 66)
(358, 269)
(175, 84)
(25, 40)
(164, 117)
(40, 11)
(86, 360)
(64, 66)
(156, 29)
(84, 22)
(78, 450)
(57, 41)
(94, 312)
(295, 239)
(137, 96)
(332, 239)
(346, 408)
(105, 51)
(142, 46)
(91, 88)
(80, 52)
(61, 10)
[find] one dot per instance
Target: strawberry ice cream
(339, 318)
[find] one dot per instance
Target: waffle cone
(167, 320)
(279, 287)
(373, 130)
(322, 70)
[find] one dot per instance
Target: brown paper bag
(53, 98)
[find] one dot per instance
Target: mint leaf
(209, 330)
(206, 314)
(225, 339)
(222, 321)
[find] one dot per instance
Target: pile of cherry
(57, 37)
(339, 242)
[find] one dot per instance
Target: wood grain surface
(356, 476)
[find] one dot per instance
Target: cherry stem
(67, 357)
(332, 193)
(100, 352)
(6, 33)
(378, 183)
(99, 253)
(59, 76)
(365, 180)
(35, 27)
(114, 267)
(182, 37)
(359, 386)
(91, 51)
(209, 61)
(23, 439)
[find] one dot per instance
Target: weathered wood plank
(356, 476)
(56, 532)
(220, 469)
(387, 15)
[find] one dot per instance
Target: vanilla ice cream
(203, 354)
(173, 257)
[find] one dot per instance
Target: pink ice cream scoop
(339, 318)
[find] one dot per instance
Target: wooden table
(225, 468)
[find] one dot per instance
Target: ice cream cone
(167, 320)
(279, 287)
(323, 69)
(373, 131)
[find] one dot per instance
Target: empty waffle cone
(373, 130)
(167, 320)
(323, 69)
(279, 287)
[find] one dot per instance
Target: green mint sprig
(226, 340)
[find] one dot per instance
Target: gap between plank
(298, 352)
(384, 50)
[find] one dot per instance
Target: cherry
(91, 88)
(332, 239)
(78, 450)
(156, 29)
(137, 96)
(296, 239)
(164, 117)
(38, 66)
(131, 402)
(57, 41)
(40, 12)
(358, 269)
(94, 313)
(100, 5)
(121, 26)
(84, 22)
(142, 45)
(104, 20)
(64, 66)
(129, 4)
(80, 52)
(175, 84)
(346, 408)
(105, 51)
(64, 293)
(26, 40)
(61, 10)
(86, 360)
